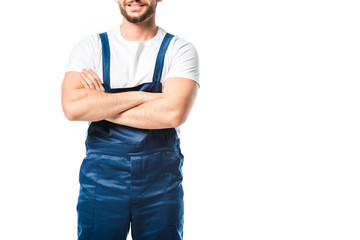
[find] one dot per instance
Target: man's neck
(138, 31)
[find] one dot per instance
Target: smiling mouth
(135, 5)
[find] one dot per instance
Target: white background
(272, 144)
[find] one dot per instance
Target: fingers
(84, 83)
(91, 81)
(98, 80)
(86, 80)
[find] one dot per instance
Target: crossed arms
(84, 99)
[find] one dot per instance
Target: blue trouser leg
(144, 190)
(158, 213)
(144, 225)
(103, 205)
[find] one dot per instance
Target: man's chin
(135, 19)
(137, 15)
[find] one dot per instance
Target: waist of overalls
(162, 140)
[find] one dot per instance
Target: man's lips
(135, 6)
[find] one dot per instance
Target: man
(136, 85)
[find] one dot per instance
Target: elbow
(70, 117)
(176, 119)
(69, 113)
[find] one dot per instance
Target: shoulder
(178, 43)
(182, 51)
(181, 46)
(84, 53)
(183, 59)
(92, 42)
(182, 43)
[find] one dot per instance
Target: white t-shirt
(132, 62)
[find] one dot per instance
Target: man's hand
(90, 80)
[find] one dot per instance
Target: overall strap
(161, 56)
(105, 59)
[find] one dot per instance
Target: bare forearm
(156, 114)
(170, 110)
(84, 99)
(92, 105)
(135, 109)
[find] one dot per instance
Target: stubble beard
(149, 11)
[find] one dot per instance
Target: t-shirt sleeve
(82, 55)
(185, 61)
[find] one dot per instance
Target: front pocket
(88, 177)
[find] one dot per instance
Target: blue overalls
(131, 175)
